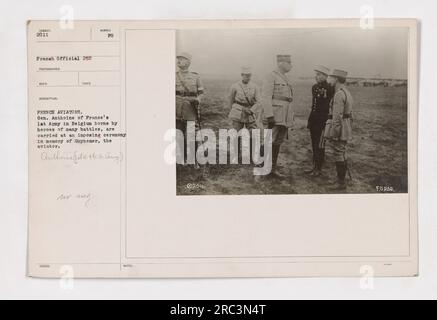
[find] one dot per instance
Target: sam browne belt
(244, 104)
(186, 94)
(282, 98)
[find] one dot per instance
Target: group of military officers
(272, 106)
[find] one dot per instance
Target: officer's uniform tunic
(188, 86)
(338, 127)
(243, 99)
(277, 96)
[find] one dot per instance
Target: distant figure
(189, 92)
(322, 94)
(338, 127)
(277, 95)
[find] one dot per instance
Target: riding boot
(311, 171)
(261, 154)
(341, 175)
(275, 154)
(196, 163)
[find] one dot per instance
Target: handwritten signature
(77, 156)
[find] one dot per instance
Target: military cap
(283, 58)
(185, 55)
(322, 69)
(338, 73)
(246, 70)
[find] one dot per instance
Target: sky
(377, 53)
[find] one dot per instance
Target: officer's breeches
(182, 126)
(238, 125)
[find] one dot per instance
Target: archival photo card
(252, 148)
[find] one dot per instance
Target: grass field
(377, 152)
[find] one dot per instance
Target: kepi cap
(185, 55)
(246, 70)
(322, 69)
(338, 73)
(283, 58)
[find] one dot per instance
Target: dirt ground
(377, 153)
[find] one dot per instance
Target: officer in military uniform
(322, 94)
(189, 92)
(277, 95)
(338, 128)
(244, 102)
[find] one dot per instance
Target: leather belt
(247, 105)
(282, 98)
(186, 94)
(345, 116)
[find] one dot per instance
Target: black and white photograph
(292, 110)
